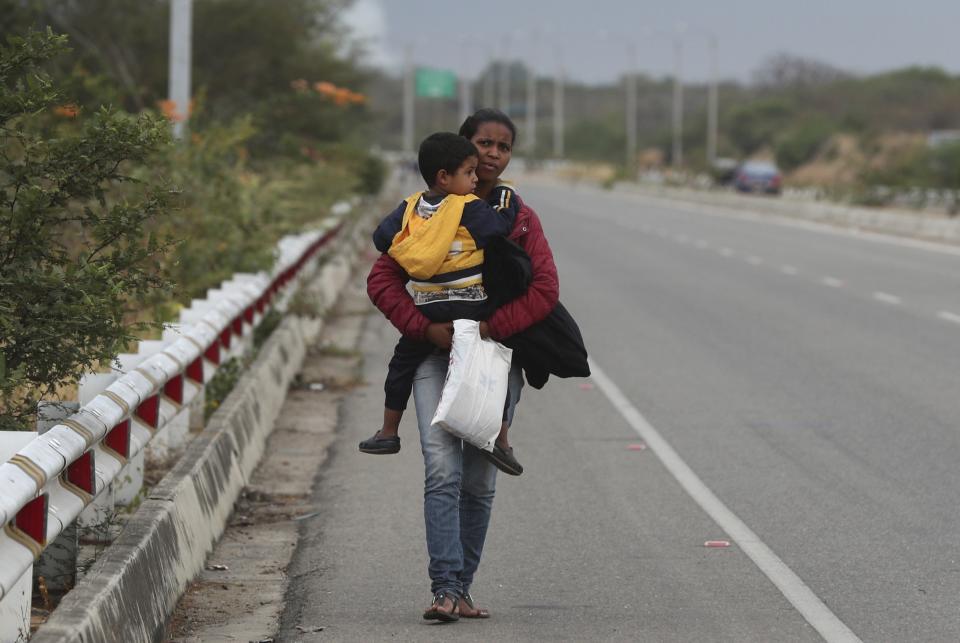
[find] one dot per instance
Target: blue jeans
(459, 484)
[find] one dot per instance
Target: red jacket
(386, 286)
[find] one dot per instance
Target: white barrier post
(58, 562)
(172, 436)
(94, 521)
(197, 392)
(127, 484)
(15, 605)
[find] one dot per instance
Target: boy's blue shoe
(380, 445)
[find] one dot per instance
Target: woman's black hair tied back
(486, 115)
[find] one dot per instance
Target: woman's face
(495, 144)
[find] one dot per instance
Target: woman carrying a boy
(459, 482)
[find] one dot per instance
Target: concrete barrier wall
(134, 586)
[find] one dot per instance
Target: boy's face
(463, 181)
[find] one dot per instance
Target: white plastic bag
(471, 404)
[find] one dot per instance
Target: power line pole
(181, 27)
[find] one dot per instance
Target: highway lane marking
(887, 298)
(788, 269)
(833, 282)
(946, 315)
(726, 252)
(754, 260)
(782, 220)
(701, 243)
(827, 624)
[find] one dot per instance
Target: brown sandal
(437, 611)
(469, 610)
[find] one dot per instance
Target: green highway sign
(435, 83)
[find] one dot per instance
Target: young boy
(438, 237)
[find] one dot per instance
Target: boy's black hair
(443, 151)
(487, 115)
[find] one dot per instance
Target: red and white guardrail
(47, 484)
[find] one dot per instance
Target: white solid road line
(887, 298)
(831, 628)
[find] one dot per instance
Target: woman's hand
(440, 335)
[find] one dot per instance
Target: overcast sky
(591, 36)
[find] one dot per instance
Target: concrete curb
(134, 586)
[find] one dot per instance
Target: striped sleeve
(483, 222)
(504, 200)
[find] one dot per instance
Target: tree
(75, 257)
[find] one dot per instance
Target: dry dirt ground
(239, 595)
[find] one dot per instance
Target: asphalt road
(808, 380)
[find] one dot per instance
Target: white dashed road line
(726, 252)
(827, 624)
(948, 316)
(887, 298)
(833, 282)
(788, 269)
(754, 260)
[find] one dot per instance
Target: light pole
(505, 76)
(181, 27)
(630, 98)
(531, 139)
(466, 95)
(678, 97)
(408, 99)
(712, 102)
(631, 108)
(558, 106)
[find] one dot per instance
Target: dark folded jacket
(553, 346)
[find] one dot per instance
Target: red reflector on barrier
(262, 302)
(213, 352)
(173, 389)
(225, 337)
(149, 410)
(195, 370)
(248, 315)
(32, 519)
(118, 439)
(237, 325)
(82, 472)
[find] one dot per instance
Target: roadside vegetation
(108, 227)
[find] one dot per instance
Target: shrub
(75, 256)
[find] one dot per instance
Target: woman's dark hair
(487, 115)
(443, 151)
